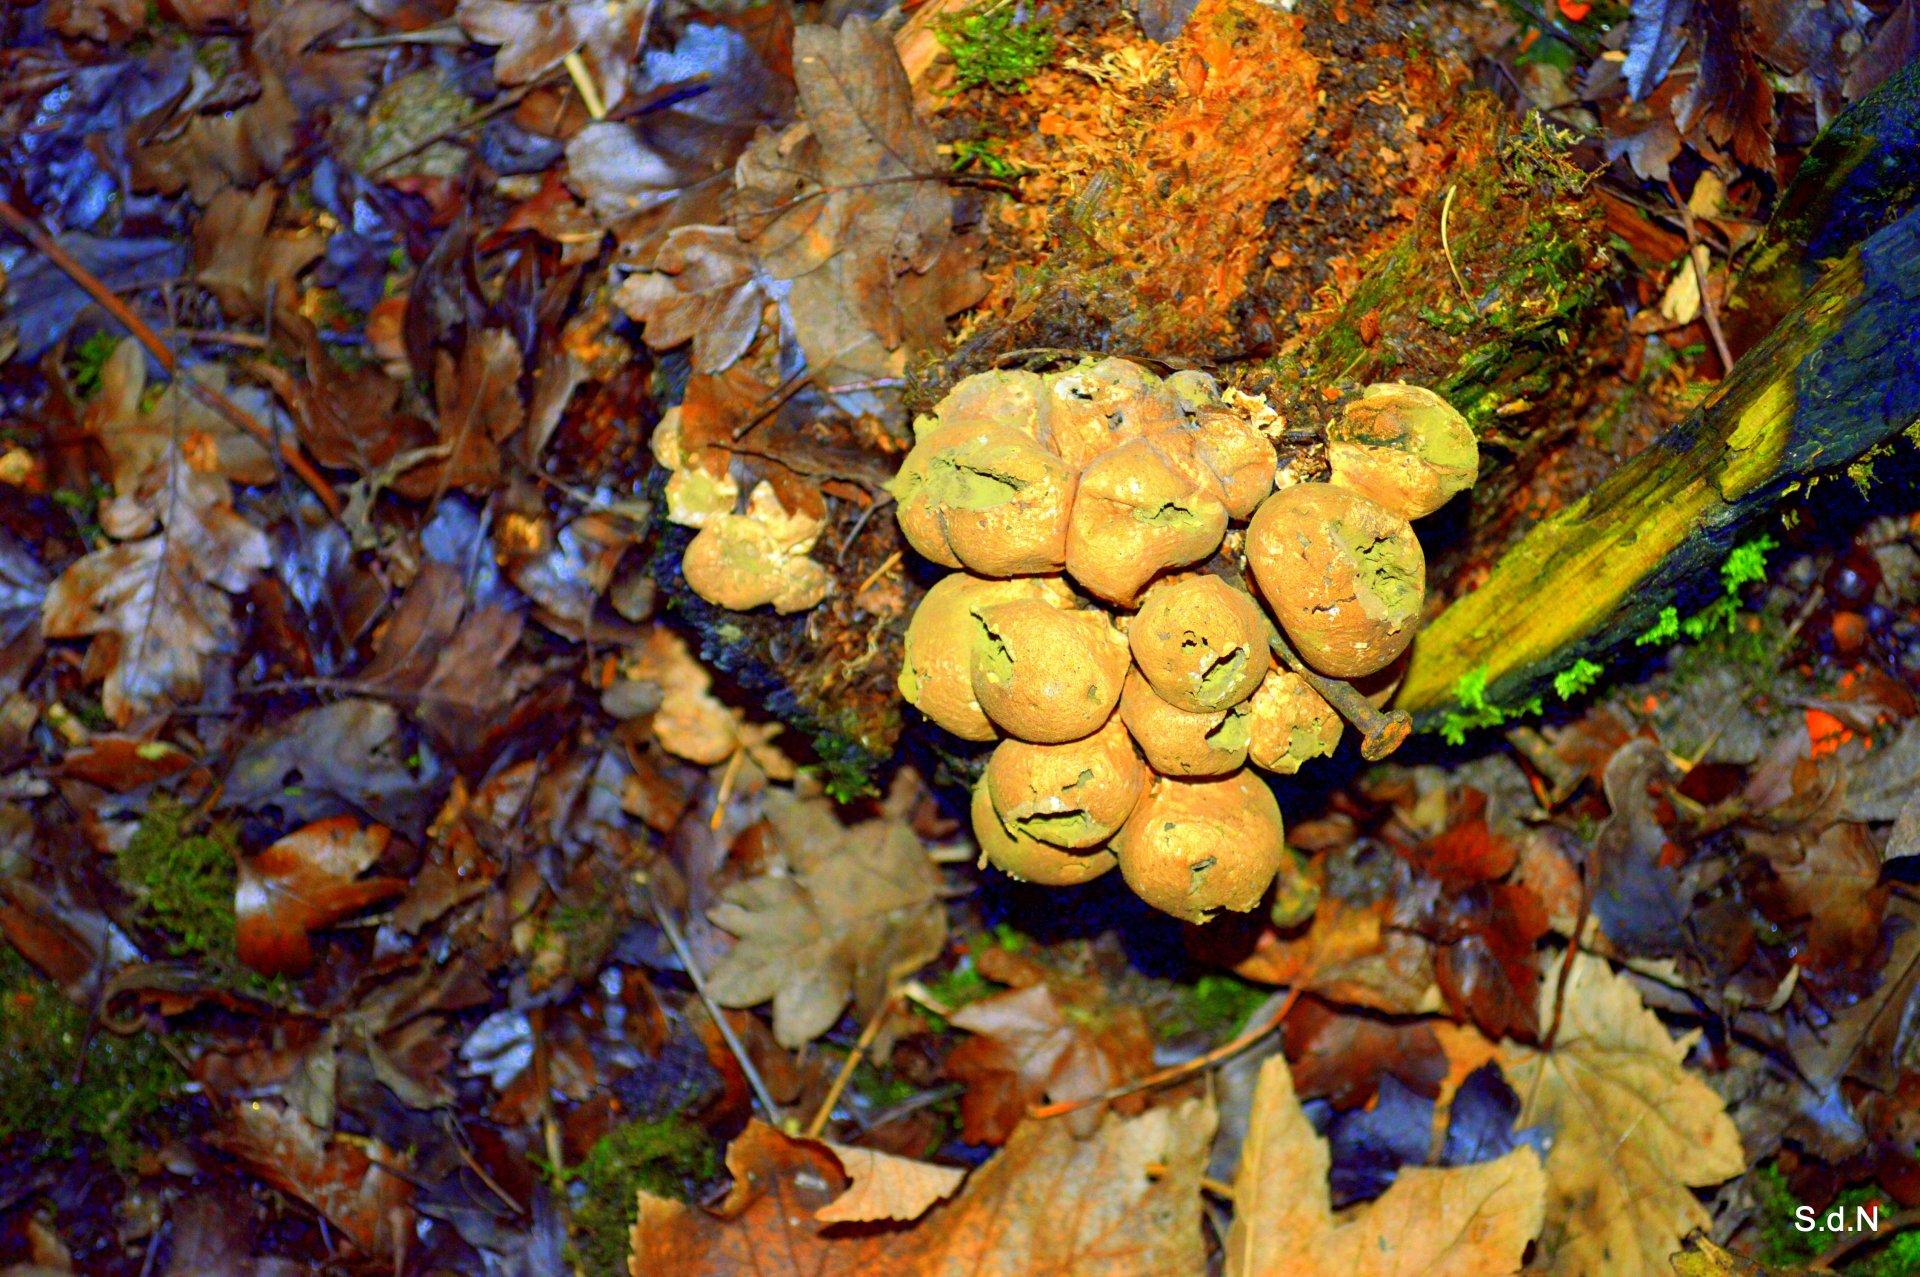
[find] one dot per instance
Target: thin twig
(1174, 1073)
(1446, 244)
(1694, 254)
(583, 81)
(46, 245)
(845, 1075)
(680, 951)
(892, 562)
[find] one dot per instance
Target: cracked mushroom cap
(1344, 576)
(1179, 743)
(1075, 795)
(1090, 409)
(1028, 859)
(934, 674)
(1403, 447)
(743, 561)
(1195, 846)
(1290, 724)
(1046, 675)
(1200, 642)
(1135, 518)
(1222, 452)
(986, 498)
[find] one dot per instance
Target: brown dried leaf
(307, 880)
(158, 606)
(1465, 1221)
(371, 1205)
(1633, 1132)
(535, 37)
(479, 404)
(863, 911)
(1123, 1203)
(705, 288)
(137, 439)
(886, 1187)
(242, 260)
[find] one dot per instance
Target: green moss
(1215, 1003)
(183, 882)
(666, 1158)
(997, 46)
(1577, 678)
(1663, 630)
(85, 361)
(1475, 712)
(1782, 1244)
(52, 1093)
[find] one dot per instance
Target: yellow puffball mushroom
(1290, 724)
(1179, 743)
(1225, 455)
(1135, 518)
(1193, 847)
(1045, 675)
(934, 674)
(1028, 859)
(1403, 447)
(1345, 577)
(742, 561)
(1200, 642)
(1010, 400)
(1091, 409)
(986, 498)
(1075, 795)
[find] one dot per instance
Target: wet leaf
(1471, 1221)
(345, 1181)
(308, 880)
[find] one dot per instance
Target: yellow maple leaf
(1633, 1132)
(1463, 1221)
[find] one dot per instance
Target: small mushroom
(1177, 742)
(934, 673)
(1029, 859)
(1075, 795)
(1200, 642)
(695, 497)
(1090, 409)
(1290, 724)
(742, 561)
(1194, 388)
(1345, 577)
(1404, 447)
(1046, 675)
(1136, 517)
(1225, 455)
(986, 498)
(1195, 846)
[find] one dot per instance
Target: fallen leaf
(1467, 1221)
(704, 287)
(349, 1185)
(1036, 1044)
(1633, 1132)
(886, 1186)
(1123, 1203)
(157, 607)
(861, 909)
(242, 260)
(1832, 881)
(535, 37)
(308, 880)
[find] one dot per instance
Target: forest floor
(403, 869)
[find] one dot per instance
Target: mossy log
(1835, 378)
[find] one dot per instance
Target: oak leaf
(1633, 1132)
(704, 287)
(860, 908)
(1123, 1203)
(1464, 1221)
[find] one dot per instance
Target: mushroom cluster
(1109, 633)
